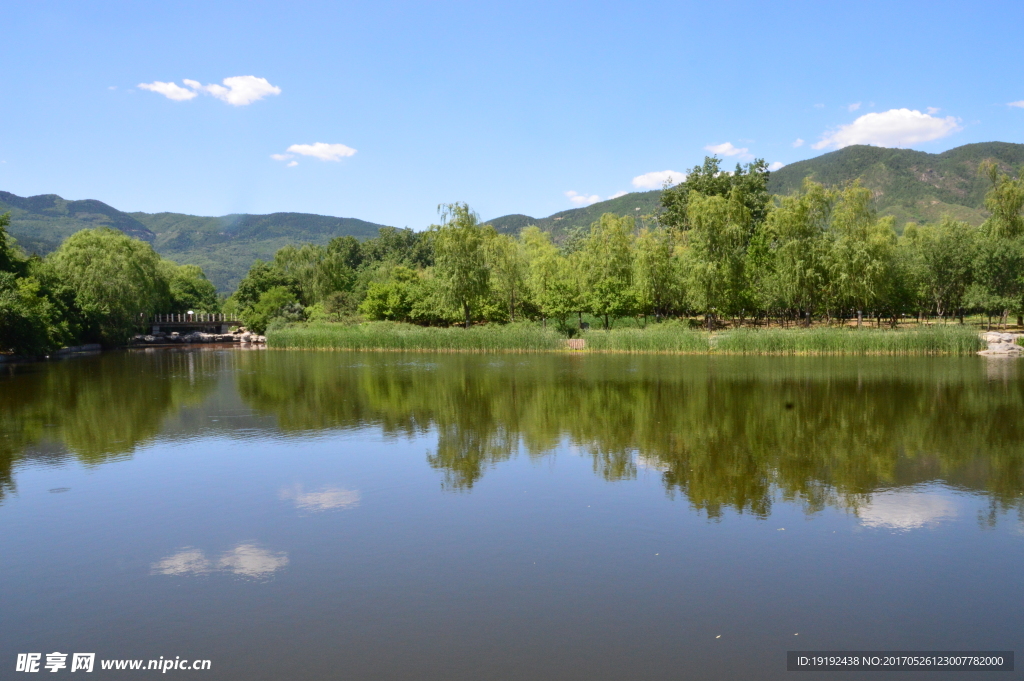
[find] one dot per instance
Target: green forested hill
(223, 246)
(559, 223)
(911, 185)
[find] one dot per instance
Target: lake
(315, 515)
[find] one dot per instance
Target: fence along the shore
(191, 318)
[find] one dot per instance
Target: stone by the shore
(1002, 344)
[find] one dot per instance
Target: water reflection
(720, 433)
(325, 499)
(908, 509)
(246, 560)
(95, 409)
(723, 433)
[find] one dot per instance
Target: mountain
(224, 247)
(636, 203)
(913, 186)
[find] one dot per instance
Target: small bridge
(210, 323)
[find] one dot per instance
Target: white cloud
(657, 179)
(819, 106)
(892, 128)
(111, 87)
(727, 149)
(236, 90)
(1019, 105)
(798, 143)
(776, 165)
(853, 107)
(168, 90)
(617, 195)
(292, 164)
(321, 150)
(582, 199)
(932, 110)
(323, 500)
(280, 157)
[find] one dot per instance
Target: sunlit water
(332, 515)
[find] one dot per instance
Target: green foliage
(606, 268)
(909, 185)
(749, 183)
(278, 303)
(189, 289)
(116, 279)
(392, 336)
(460, 258)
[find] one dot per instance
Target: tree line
(721, 247)
(99, 286)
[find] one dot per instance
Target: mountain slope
(559, 223)
(223, 246)
(911, 185)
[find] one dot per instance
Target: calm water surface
(293, 515)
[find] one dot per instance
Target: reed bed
(393, 336)
(928, 340)
(667, 337)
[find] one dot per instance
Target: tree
(948, 251)
(606, 267)
(655, 274)
(460, 260)
(508, 267)
(116, 279)
(189, 289)
(710, 180)
(800, 228)
(862, 251)
(550, 278)
(715, 252)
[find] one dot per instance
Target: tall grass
(928, 340)
(668, 337)
(664, 337)
(394, 336)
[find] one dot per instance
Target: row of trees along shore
(721, 247)
(100, 286)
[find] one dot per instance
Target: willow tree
(715, 253)
(655, 273)
(508, 267)
(862, 253)
(551, 278)
(460, 262)
(606, 267)
(117, 279)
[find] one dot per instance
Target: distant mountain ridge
(224, 246)
(913, 186)
(910, 185)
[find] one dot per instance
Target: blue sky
(390, 108)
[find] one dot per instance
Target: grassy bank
(665, 338)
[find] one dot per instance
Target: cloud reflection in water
(326, 499)
(247, 560)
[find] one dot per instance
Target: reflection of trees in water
(96, 409)
(725, 432)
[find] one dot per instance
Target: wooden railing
(199, 318)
